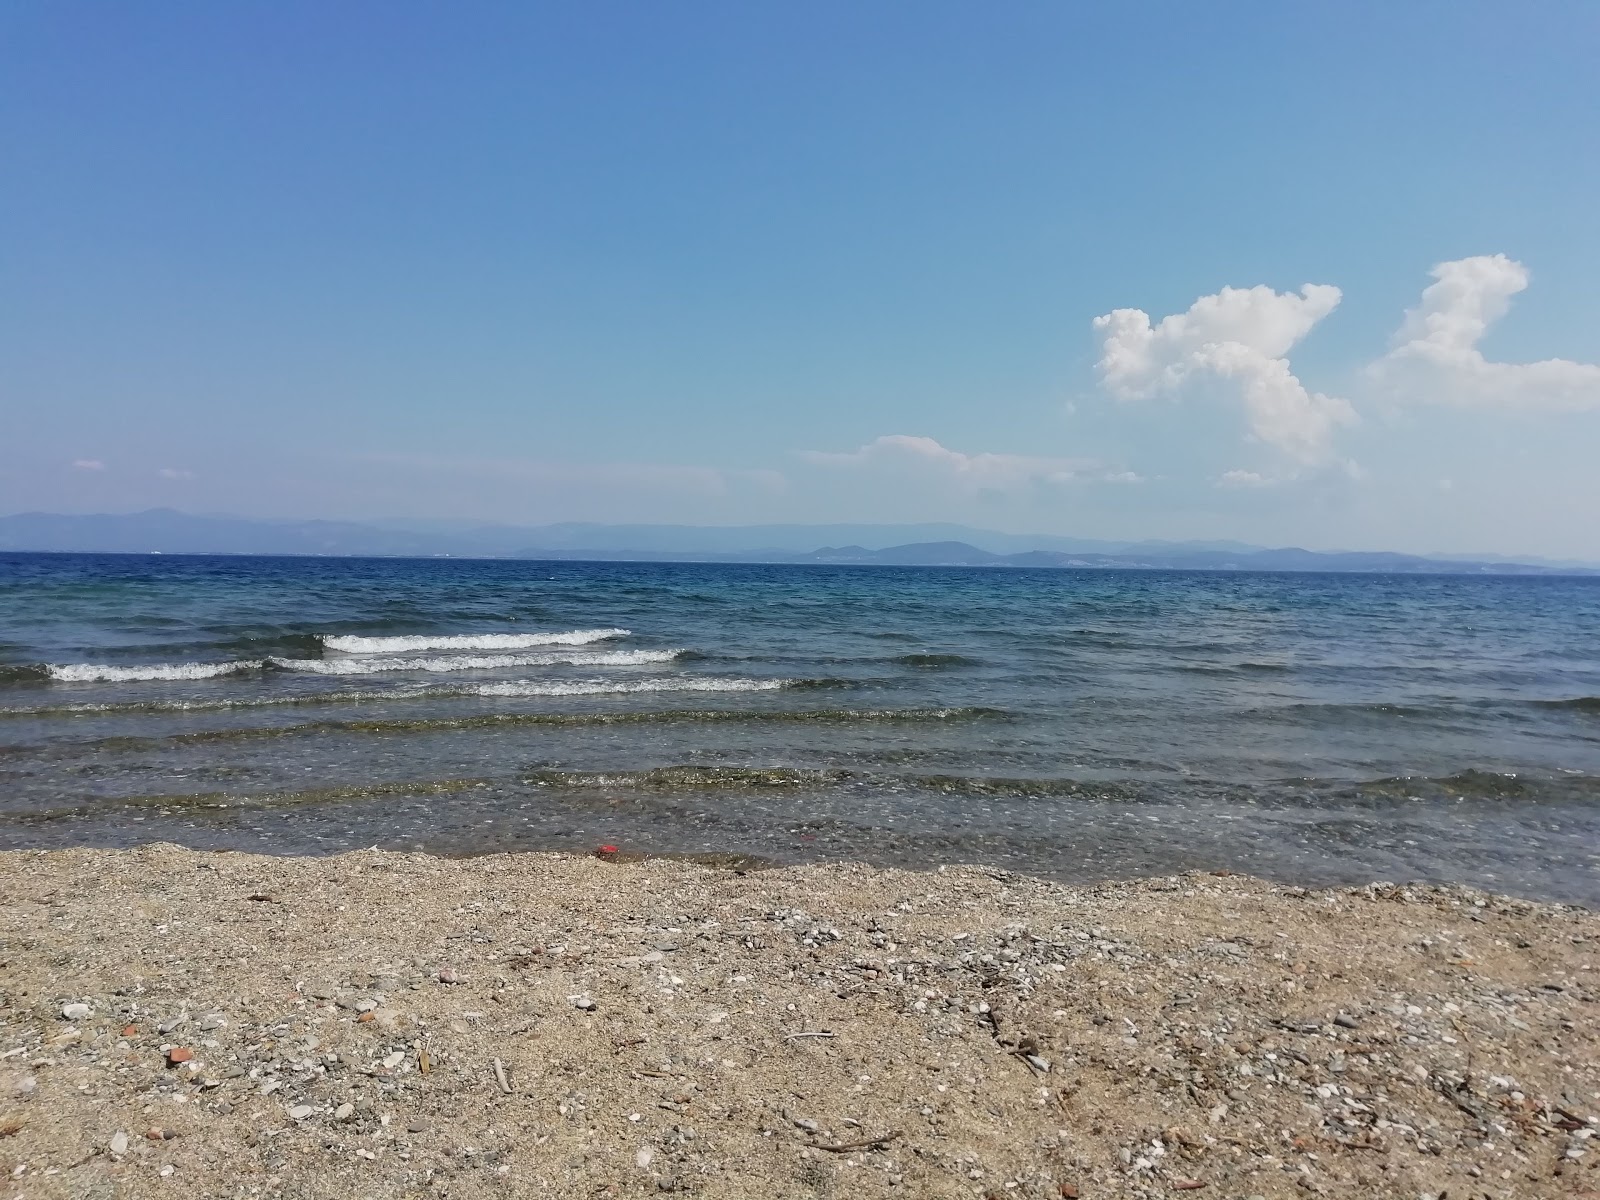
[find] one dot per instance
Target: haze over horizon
(1285, 277)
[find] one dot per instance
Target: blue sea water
(1078, 724)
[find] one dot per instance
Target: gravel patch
(377, 1024)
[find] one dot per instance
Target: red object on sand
(604, 850)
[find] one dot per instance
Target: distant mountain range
(166, 531)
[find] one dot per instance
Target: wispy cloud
(1435, 355)
(1240, 338)
(630, 476)
(1243, 479)
(88, 464)
(977, 472)
(175, 473)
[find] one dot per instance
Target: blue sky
(724, 263)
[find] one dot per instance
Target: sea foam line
(353, 644)
(97, 673)
(475, 662)
(597, 687)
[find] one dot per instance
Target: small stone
(119, 1142)
(300, 1112)
(344, 1112)
(212, 1021)
(416, 1127)
(129, 1031)
(166, 1171)
(449, 976)
(392, 1061)
(807, 1124)
(583, 1003)
(76, 1011)
(366, 1006)
(159, 1135)
(1042, 1064)
(179, 1054)
(644, 1157)
(1346, 1021)
(271, 1086)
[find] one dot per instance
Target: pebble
(212, 1021)
(1345, 1021)
(416, 1127)
(75, 1011)
(583, 1002)
(119, 1142)
(644, 1157)
(301, 1111)
(179, 1054)
(344, 1112)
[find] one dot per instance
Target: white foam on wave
(596, 687)
(352, 644)
(96, 673)
(475, 662)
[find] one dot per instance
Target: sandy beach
(379, 1024)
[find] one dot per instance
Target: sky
(1290, 274)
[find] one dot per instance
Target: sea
(1074, 724)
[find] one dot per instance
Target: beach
(378, 1023)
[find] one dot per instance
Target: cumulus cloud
(984, 471)
(1240, 338)
(1435, 353)
(88, 464)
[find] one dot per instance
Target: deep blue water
(1077, 724)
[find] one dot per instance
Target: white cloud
(1242, 479)
(1241, 336)
(1435, 354)
(174, 473)
(88, 464)
(984, 471)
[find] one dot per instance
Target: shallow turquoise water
(1079, 724)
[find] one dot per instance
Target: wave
(934, 660)
(597, 687)
(510, 688)
(96, 673)
(381, 725)
(1578, 703)
(475, 662)
(352, 644)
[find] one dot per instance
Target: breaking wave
(351, 644)
(475, 662)
(95, 673)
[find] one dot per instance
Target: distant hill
(1170, 556)
(168, 531)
